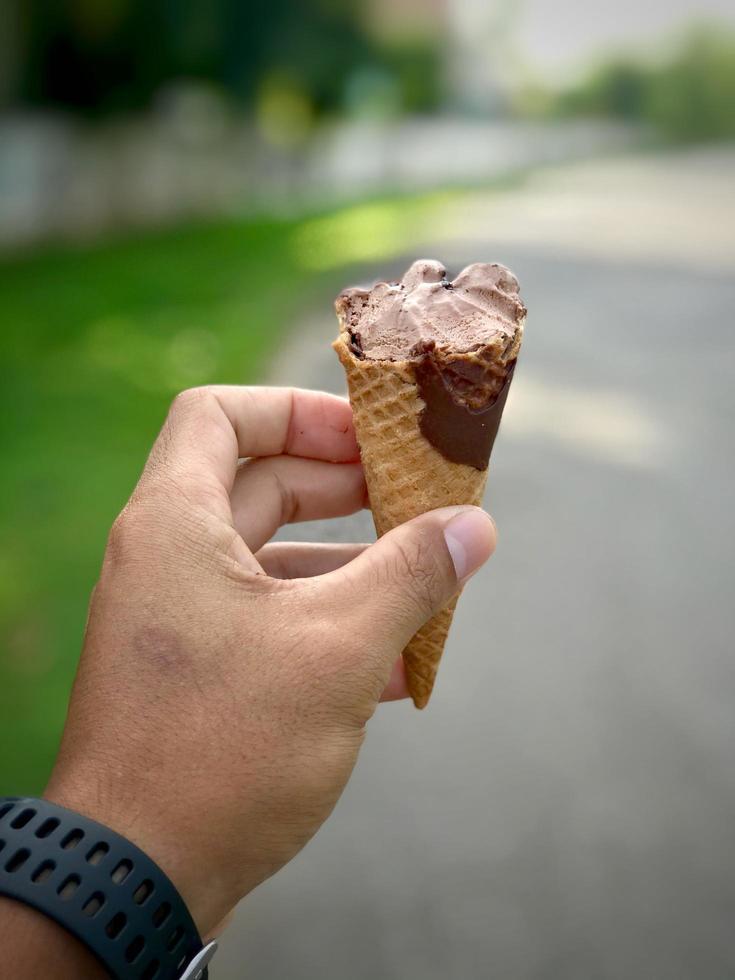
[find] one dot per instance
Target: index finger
(209, 429)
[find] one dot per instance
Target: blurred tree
(104, 56)
(615, 89)
(417, 68)
(11, 46)
(92, 56)
(693, 97)
(687, 96)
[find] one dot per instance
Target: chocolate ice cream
(460, 337)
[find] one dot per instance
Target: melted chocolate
(355, 345)
(454, 419)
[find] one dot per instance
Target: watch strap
(100, 887)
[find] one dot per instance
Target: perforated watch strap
(100, 887)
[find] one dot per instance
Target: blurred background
(183, 190)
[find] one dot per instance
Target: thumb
(412, 572)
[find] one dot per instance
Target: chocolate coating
(462, 433)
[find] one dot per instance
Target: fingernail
(470, 538)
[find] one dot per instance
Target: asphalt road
(565, 807)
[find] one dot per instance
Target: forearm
(32, 946)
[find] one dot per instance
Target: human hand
(225, 683)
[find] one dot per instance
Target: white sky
(558, 37)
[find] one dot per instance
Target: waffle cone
(406, 476)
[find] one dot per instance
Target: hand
(225, 683)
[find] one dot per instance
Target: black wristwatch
(100, 887)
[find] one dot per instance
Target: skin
(226, 683)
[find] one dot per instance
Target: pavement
(565, 807)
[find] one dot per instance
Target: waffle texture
(405, 477)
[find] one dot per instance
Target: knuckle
(418, 574)
(269, 471)
(121, 541)
(139, 530)
(188, 406)
(194, 403)
(289, 499)
(191, 398)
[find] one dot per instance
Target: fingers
(287, 559)
(272, 421)
(393, 587)
(209, 429)
(283, 489)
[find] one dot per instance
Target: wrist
(147, 825)
(101, 888)
(35, 946)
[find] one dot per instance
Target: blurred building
(480, 57)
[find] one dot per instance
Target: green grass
(94, 342)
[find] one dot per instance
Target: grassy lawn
(94, 342)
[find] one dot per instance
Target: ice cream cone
(406, 476)
(428, 365)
